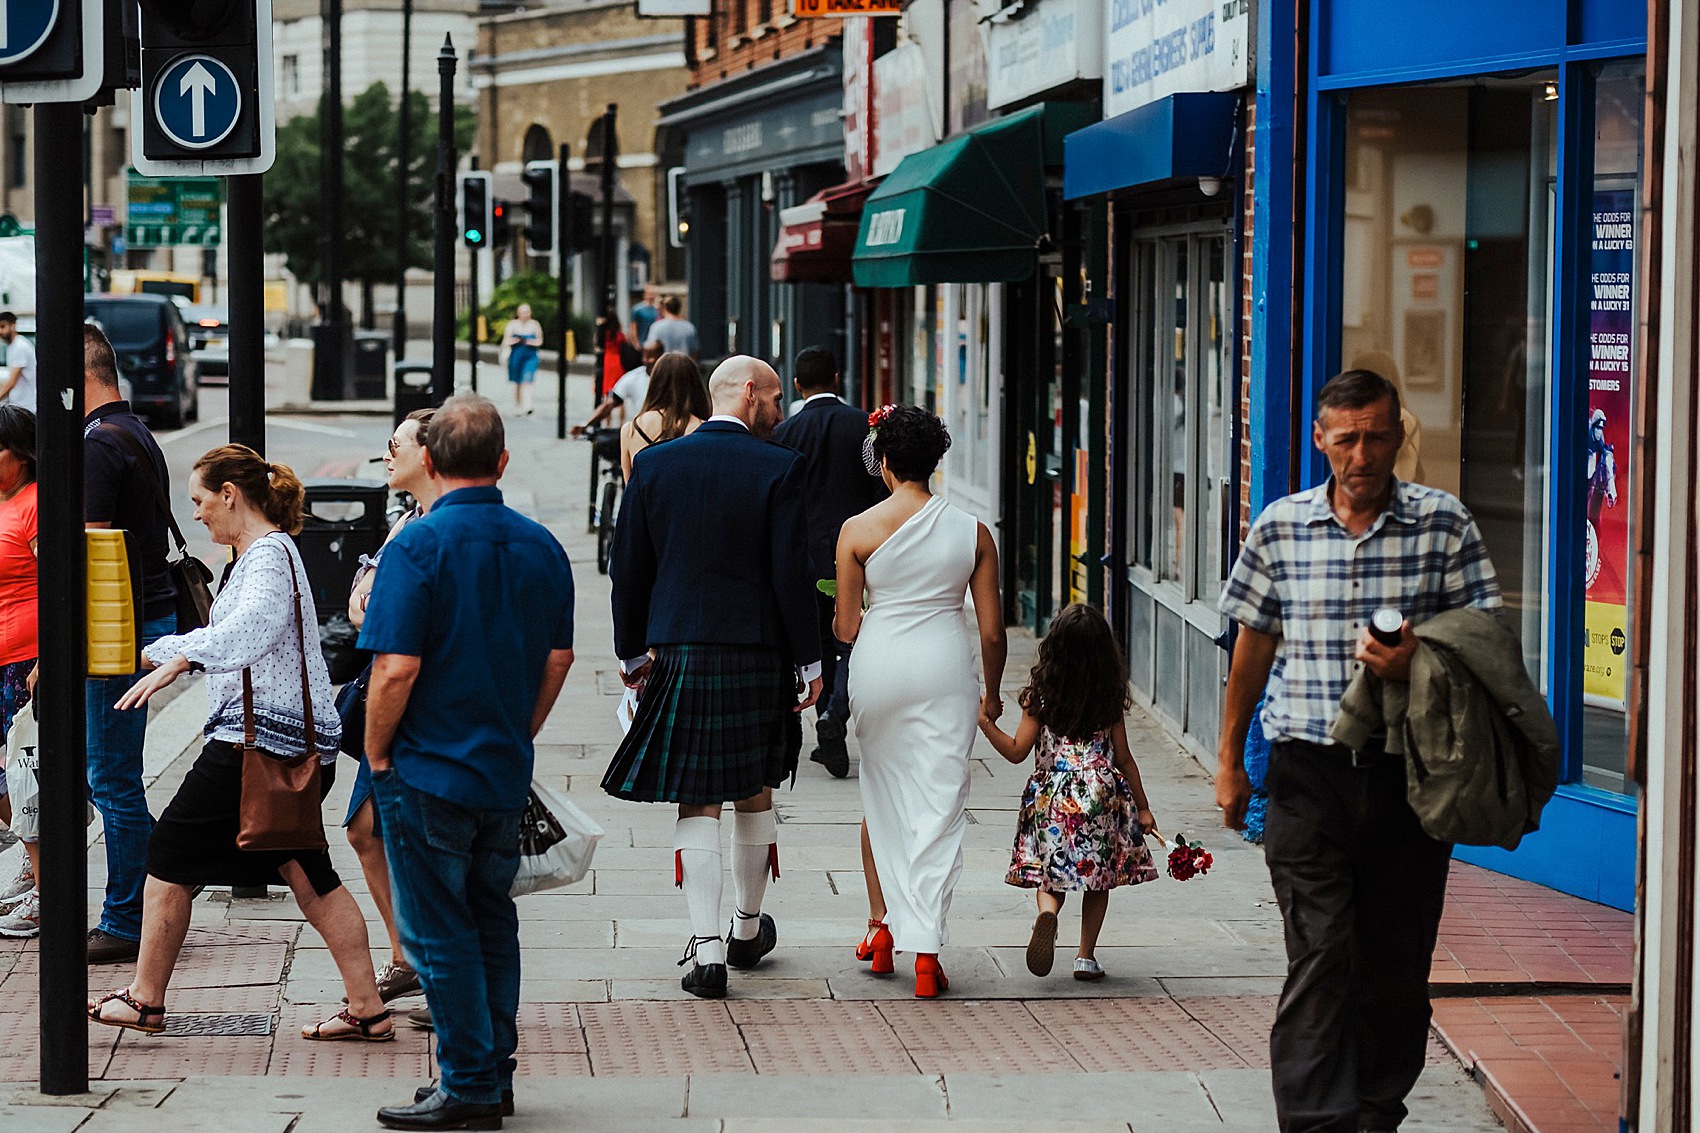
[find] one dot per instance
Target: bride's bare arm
(988, 612)
(847, 604)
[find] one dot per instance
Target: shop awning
(1183, 135)
(818, 237)
(968, 210)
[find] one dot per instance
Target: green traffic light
(474, 235)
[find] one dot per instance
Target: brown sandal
(362, 1031)
(142, 1010)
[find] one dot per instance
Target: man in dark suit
(829, 434)
(714, 624)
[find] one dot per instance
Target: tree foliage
(371, 132)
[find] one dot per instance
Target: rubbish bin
(324, 344)
(345, 519)
(371, 365)
(412, 388)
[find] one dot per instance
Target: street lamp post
(443, 283)
(404, 153)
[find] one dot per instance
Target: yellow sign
(1605, 659)
(1032, 459)
(824, 9)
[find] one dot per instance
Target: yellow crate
(111, 605)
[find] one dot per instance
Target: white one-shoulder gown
(916, 706)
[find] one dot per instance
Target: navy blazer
(711, 548)
(829, 434)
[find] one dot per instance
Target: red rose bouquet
(1187, 860)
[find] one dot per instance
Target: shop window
(1446, 290)
(969, 381)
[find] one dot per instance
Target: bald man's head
(748, 389)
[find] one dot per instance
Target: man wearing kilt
(714, 624)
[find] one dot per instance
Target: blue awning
(1183, 135)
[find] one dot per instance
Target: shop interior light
(1550, 92)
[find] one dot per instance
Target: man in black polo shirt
(119, 491)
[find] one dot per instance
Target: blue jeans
(450, 872)
(115, 741)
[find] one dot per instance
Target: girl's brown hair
(678, 393)
(1079, 684)
(273, 488)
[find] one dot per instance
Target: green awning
(969, 210)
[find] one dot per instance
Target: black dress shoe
(832, 755)
(104, 948)
(424, 1092)
(439, 1111)
(420, 1017)
(745, 954)
(705, 981)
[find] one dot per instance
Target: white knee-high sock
(755, 838)
(696, 848)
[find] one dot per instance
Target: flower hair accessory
(875, 419)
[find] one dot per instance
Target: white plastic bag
(556, 842)
(626, 711)
(23, 783)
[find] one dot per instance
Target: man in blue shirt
(471, 618)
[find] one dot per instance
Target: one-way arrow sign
(197, 101)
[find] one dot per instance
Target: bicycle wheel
(605, 525)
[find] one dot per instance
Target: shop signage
(1155, 48)
(905, 121)
(885, 228)
(858, 99)
(1047, 46)
(823, 9)
(1611, 331)
(675, 7)
(770, 137)
(165, 211)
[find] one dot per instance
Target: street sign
(168, 211)
(197, 101)
(205, 103)
(50, 50)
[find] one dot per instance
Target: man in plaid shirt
(1360, 885)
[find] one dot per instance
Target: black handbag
(351, 708)
(191, 577)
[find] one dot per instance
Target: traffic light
(51, 52)
(581, 219)
(542, 204)
(205, 103)
(477, 222)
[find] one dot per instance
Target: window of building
(289, 75)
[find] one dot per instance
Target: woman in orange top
(21, 916)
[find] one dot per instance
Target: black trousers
(1361, 889)
(834, 702)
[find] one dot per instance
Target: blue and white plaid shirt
(1303, 578)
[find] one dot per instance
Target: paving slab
(874, 1098)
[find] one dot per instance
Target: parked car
(209, 338)
(152, 343)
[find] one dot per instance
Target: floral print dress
(1079, 827)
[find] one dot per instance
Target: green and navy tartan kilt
(716, 723)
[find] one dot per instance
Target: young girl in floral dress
(1084, 814)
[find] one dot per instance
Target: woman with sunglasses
(404, 465)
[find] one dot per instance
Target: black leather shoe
(439, 1111)
(745, 954)
(705, 981)
(420, 1017)
(104, 948)
(832, 755)
(424, 1092)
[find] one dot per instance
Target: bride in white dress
(913, 693)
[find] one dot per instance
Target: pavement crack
(1199, 1078)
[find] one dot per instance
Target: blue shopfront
(1465, 221)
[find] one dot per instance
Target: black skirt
(715, 724)
(194, 841)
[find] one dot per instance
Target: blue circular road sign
(197, 101)
(25, 26)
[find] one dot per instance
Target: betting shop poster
(1610, 327)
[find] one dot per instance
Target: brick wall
(742, 35)
(1247, 306)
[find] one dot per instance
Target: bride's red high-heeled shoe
(877, 947)
(929, 977)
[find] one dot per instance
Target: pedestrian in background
(1360, 885)
(17, 372)
(125, 486)
(913, 695)
(675, 403)
(829, 434)
(644, 315)
(266, 677)
(673, 331)
(20, 913)
(404, 465)
(471, 618)
(711, 573)
(523, 336)
(627, 394)
(1084, 814)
